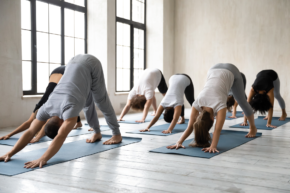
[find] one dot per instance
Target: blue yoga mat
(157, 130)
(239, 114)
(79, 131)
(228, 140)
(134, 118)
(261, 123)
(68, 151)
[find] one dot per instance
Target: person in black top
(265, 88)
(231, 98)
(54, 78)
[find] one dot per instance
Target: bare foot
(77, 125)
(252, 133)
(114, 140)
(94, 138)
(153, 114)
(283, 117)
(90, 129)
(266, 118)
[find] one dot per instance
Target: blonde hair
(201, 130)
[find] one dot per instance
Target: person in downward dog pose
(82, 84)
(143, 94)
(54, 78)
(261, 97)
(173, 101)
(211, 101)
(231, 98)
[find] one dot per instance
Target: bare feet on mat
(252, 133)
(120, 119)
(266, 118)
(166, 131)
(78, 125)
(153, 114)
(272, 126)
(95, 137)
(114, 140)
(90, 129)
(244, 124)
(5, 137)
(140, 121)
(233, 117)
(283, 117)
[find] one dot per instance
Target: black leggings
(189, 93)
(45, 96)
(162, 87)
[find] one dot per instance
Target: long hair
(138, 102)
(168, 115)
(230, 103)
(201, 130)
(261, 103)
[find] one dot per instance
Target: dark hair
(51, 128)
(168, 115)
(201, 130)
(230, 102)
(261, 103)
(138, 102)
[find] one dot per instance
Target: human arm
(250, 96)
(145, 111)
(56, 144)
(177, 112)
(220, 119)
(40, 134)
(155, 119)
(154, 105)
(270, 112)
(234, 113)
(194, 114)
(125, 110)
(21, 128)
(24, 139)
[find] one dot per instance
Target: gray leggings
(237, 87)
(277, 93)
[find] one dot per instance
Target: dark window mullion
(86, 50)
(62, 37)
(34, 47)
(131, 57)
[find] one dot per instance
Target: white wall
(13, 108)
(253, 35)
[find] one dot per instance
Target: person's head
(138, 102)
(201, 128)
(52, 126)
(261, 103)
(168, 114)
(230, 102)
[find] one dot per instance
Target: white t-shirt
(175, 92)
(215, 91)
(146, 86)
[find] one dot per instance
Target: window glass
(123, 9)
(138, 11)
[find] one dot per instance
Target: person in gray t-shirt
(82, 84)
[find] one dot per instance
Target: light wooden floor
(262, 165)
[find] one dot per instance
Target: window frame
(133, 25)
(62, 4)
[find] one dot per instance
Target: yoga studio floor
(261, 165)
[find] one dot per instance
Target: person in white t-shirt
(173, 102)
(212, 101)
(142, 96)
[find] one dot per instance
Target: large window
(130, 42)
(53, 31)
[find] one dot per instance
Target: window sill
(121, 93)
(31, 96)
